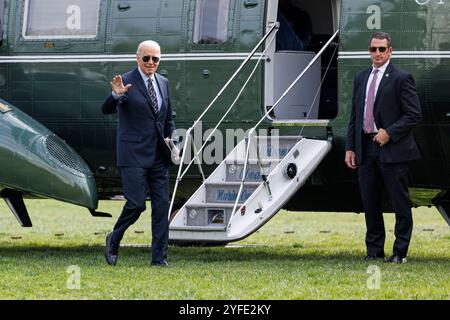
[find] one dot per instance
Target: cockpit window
(211, 21)
(62, 19)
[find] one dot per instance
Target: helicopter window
(62, 19)
(211, 21)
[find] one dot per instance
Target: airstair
(272, 177)
(251, 184)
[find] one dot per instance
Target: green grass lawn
(297, 255)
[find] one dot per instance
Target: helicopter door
(304, 27)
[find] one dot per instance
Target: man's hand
(382, 137)
(350, 159)
(118, 87)
(173, 148)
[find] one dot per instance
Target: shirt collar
(383, 68)
(144, 76)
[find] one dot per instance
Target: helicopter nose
(35, 161)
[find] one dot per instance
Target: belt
(369, 135)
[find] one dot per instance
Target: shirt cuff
(115, 95)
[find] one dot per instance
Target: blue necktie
(152, 93)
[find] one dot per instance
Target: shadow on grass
(187, 255)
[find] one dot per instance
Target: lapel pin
(387, 75)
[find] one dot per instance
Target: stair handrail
(181, 174)
(197, 153)
(253, 129)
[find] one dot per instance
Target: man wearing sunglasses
(380, 143)
(141, 97)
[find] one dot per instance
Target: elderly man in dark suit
(380, 143)
(141, 97)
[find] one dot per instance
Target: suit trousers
(373, 175)
(136, 183)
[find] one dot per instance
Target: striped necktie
(152, 94)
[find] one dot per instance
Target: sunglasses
(381, 49)
(154, 59)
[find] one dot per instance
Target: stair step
(280, 138)
(233, 183)
(301, 123)
(234, 172)
(208, 214)
(212, 205)
(228, 192)
(198, 228)
(264, 161)
(274, 146)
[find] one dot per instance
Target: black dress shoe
(111, 252)
(162, 263)
(396, 259)
(370, 257)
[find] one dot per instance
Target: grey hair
(148, 44)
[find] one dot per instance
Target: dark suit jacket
(139, 129)
(396, 109)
